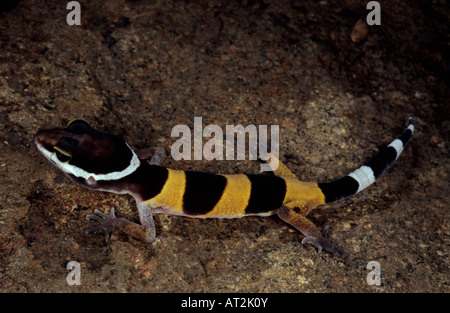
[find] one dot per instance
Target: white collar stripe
(78, 172)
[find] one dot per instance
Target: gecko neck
(147, 181)
(144, 183)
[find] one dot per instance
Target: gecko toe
(106, 222)
(325, 230)
(323, 245)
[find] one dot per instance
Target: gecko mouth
(48, 155)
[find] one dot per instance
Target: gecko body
(105, 162)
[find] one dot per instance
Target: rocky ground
(138, 68)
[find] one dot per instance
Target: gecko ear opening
(91, 181)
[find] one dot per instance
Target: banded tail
(367, 174)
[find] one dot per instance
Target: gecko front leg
(109, 222)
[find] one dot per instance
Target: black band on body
(148, 180)
(267, 193)
(203, 191)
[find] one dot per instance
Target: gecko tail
(367, 174)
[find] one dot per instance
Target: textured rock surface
(137, 69)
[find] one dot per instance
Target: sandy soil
(137, 69)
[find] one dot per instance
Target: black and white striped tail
(367, 174)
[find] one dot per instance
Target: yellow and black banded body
(105, 162)
(204, 195)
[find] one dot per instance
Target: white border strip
(78, 172)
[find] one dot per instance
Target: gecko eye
(65, 148)
(62, 155)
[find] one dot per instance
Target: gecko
(105, 162)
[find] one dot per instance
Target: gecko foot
(107, 222)
(321, 244)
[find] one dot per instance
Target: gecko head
(85, 154)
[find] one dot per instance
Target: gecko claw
(323, 245)
(325, 230)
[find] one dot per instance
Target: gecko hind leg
(309, 230)
(109, 223)
(281, 169)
